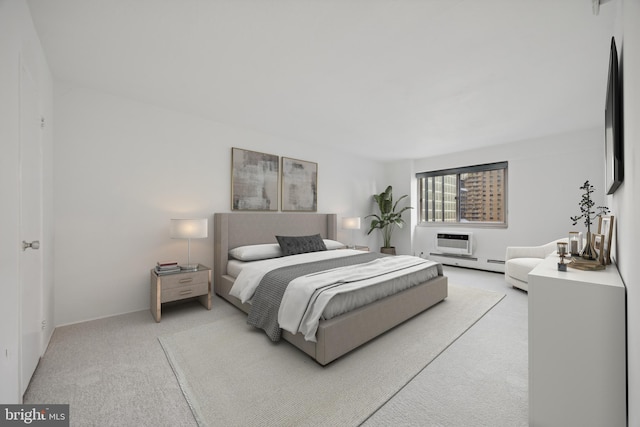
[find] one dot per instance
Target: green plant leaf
(388, 217)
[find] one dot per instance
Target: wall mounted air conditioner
(455, 243)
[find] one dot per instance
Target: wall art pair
(255, 177)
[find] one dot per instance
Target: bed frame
(343, 333)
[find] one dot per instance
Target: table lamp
(352, 223)
(188, 229)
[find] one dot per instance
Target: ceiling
(385, 79)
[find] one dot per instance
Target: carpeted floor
(275, 384)
(481, 380)
(114, 372)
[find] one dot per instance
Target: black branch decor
(588, 213)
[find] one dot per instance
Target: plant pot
(391, 250)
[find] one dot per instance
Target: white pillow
(270, 250)
(256, 252)
(332, 244)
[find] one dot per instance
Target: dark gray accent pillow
(292, 245)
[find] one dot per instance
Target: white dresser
(577, 347)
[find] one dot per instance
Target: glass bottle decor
(588, 252)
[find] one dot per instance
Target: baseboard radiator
(464, 257)
(455, 243)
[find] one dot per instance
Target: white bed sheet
(249, 274)
(302, 308)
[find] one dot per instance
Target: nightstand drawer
(184, 291)
(184, 280)
(180, 285)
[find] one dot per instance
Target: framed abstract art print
(299, 185)
(254, 181)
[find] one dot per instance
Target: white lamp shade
(351, 223)
(188, 228)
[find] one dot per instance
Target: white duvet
(252, 272)
(302, 307)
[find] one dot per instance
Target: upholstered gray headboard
(231, 230)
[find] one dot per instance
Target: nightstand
(178, 286)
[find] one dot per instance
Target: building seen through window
(473, 194)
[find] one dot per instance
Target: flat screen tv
(614, 165)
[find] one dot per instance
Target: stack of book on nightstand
(167, 267)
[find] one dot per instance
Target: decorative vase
(391, 250)
(588, 252)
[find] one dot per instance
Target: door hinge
(42, 122)
(44, 324)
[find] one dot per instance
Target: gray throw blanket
(268, 295)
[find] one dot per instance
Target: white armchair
(520, 260)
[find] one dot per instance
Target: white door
(30, 228)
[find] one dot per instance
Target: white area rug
(232, 375)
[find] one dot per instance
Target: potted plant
(588, 214)
(388, 218)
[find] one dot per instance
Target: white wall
(123, 169)
(626, 200)
(543, 192)
(19, 42)
(399, 175)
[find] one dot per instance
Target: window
(473, 194)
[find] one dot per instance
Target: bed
(336, 336)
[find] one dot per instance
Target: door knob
(33, 245)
